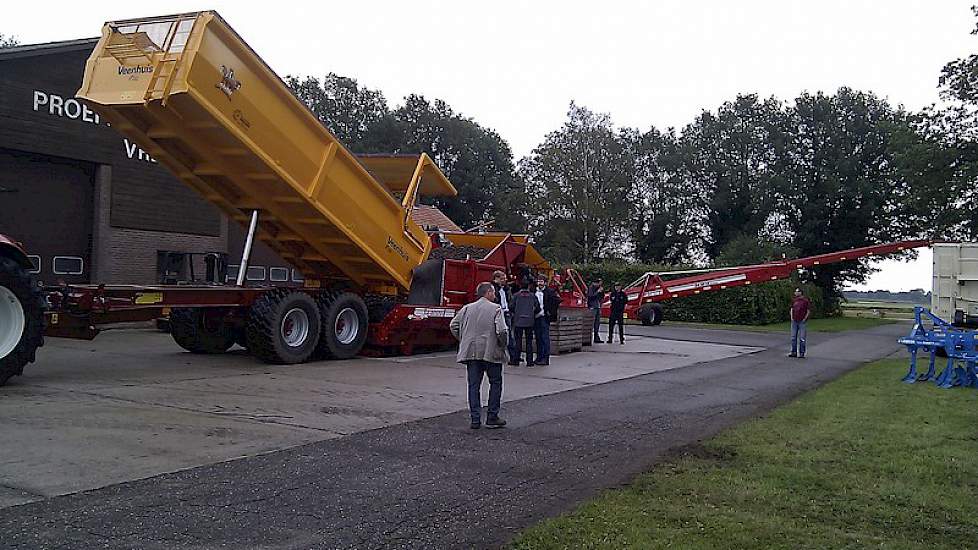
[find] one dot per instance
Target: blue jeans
(476, 369)
(798, 333)
(523, 334)
(511, 344)
(597, 322)
(541, 329)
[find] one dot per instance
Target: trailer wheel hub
(347, 326)
(295, 327)
(12, 321)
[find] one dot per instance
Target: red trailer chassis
(651, 288)
(82, 311)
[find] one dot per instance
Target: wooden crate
(570, 331)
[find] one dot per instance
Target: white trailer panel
(955, 292)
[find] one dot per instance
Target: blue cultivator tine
(971, 373)
(944, 380)
(911, 376)
(930, 369)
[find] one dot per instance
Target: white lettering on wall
(40, 98)
(133, 151)
(56, 101)
(55, 105)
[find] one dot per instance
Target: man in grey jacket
(482, 335)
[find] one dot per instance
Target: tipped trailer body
(191, 93)
(197, 98)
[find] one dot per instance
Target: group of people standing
(616, 315)
(492, 330)
(528, 307)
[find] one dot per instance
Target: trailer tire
(20, 298)
(345, 320)
(198, 330)
(650, 315)
(283, 327)
(378, 307)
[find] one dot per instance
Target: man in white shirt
(503, 298)
(541, 326)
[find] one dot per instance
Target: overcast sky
(516, 66)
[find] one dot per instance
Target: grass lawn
(863, 462)
(828, 324)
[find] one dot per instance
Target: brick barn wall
(128, 256)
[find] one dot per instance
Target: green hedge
(748, 305)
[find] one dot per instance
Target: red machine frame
(81, 311)
(652, 288)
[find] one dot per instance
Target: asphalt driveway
(433, 483)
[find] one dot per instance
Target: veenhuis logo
(228, 83)
(138, 69)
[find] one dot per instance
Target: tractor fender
(14, 250)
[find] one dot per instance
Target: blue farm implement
(938, 338)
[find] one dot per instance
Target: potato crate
(568, 333)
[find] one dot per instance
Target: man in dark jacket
(617, 315)
(595, 296)
(503, 297)
(549, 302)
(524, 308)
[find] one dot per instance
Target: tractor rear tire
(650, 315)
(21, 319)
(345, 321)
(199, 330)
(283, 327)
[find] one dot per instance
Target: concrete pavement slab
(132, 404)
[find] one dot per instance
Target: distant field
(881, 310)
(888, 305)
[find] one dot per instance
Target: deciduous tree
(579, 180)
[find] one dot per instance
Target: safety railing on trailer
(159, 43)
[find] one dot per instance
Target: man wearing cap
(595, 296)
(617, 315)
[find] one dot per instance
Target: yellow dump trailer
(194, 95)
(189, 91)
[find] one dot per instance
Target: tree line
(753, 179)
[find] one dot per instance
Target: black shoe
(512, 364)
(475, 425)
(542, 363)
(598, 341)
(497, 422)
(801, 356)
(792, 355)
(531, 364)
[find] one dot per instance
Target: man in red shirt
(799, 316)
